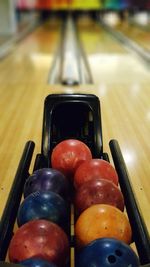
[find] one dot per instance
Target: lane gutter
(9, 45)
(70, 65)
(129, 44)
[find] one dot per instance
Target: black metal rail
(10, 212)
(140, 232)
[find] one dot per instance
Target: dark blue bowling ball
(43, 205)
(46, 179)
(34, 262)
(107, 252)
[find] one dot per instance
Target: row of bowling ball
(42, 239)
(102, 230)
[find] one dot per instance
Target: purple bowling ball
(46, 179)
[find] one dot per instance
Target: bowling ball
(68, 155)
(98, 191)
(100, 221)
(95, 168)
(43, 205)
(46, 179)
(106, 252)
(39, 239)
(35, 262)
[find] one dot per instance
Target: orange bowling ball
(100, 221)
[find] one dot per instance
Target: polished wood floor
(121, 82)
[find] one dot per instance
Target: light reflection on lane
(119, 67)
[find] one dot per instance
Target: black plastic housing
(72, 116)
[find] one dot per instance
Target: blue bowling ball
(43, 205)
(107, 252)
(34, 262)
(46, 179)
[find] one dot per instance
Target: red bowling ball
(40, 239)
(98, 191)
(68, 155)
(95, 168)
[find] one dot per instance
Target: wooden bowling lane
(135, 33)
(122, 84)
(124, 97)
(30, 60)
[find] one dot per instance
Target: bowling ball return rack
(84, 110)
